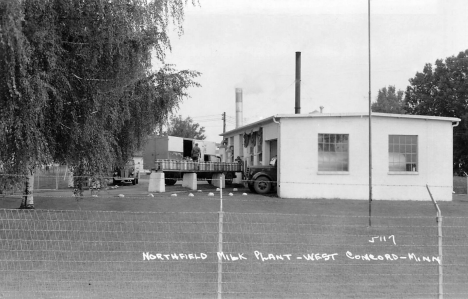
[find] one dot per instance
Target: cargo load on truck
(173, 156)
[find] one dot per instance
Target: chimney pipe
(298, 83)
(239, 119)
(321, 109)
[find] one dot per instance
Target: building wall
(270, 132)
(299, 177)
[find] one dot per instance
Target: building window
(403, 153)
(333, 152)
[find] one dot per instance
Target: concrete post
(218, 180)
(190, 181)
(238, 178)
(156, 182)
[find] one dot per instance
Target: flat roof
(323, 115)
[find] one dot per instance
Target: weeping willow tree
(77, 85)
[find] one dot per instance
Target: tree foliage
(442, 90)
(77, 84)
(389, 101)
(185, 128)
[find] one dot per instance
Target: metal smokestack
(239, 120)
(298, 83)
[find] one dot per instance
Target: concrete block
(156, 182)
(238, 178)
(190, 181)
(218, 180)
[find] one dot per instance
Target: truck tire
(170, 182)
(262, 185)
(228, 178)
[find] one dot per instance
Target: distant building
(327, 155)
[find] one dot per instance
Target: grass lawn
(460, 184)
(93, 248)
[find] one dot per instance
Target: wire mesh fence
(52, 177)
(55, 177)
(59, 177)
(86, 254)
(232, 254)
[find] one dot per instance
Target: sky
(251, 44)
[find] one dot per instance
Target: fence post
(57, 170)
(220, 241)
(439, 222)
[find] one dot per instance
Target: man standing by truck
(195, 152)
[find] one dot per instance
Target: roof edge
(353, 114)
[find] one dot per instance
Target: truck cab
(263, 178)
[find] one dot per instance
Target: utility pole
(224, 122)
(370, 112)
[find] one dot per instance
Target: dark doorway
(273, 148)
(188, 145)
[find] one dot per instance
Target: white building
(327, 155)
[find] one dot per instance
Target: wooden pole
(224, 122)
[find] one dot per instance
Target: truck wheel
(228, 178)
(170, 182)
(262, 185)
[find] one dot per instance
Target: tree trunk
(28, 197)
(79, 179)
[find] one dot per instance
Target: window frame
(405, 145)
(321, 140)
